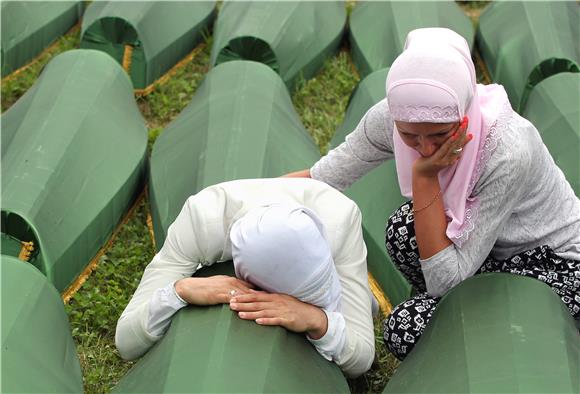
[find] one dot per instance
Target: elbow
(358, 368)
(439, 283)
(444, 271)
(122, 344)
(127, 343)
(361, 361)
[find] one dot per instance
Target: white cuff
(331, 344)
(163, 305)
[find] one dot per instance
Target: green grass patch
(96, 307)
(168, 99)
(321, 101)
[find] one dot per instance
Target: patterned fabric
(407, 321)
(402, 245)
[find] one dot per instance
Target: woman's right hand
(447, 154)
(212, 290)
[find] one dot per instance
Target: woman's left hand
(273, 309)
(447, 154)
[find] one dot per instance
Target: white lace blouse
(525, 200)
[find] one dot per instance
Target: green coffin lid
(524, 42)
(377, 194)
(28, 27)
(240, 124)
(495, 333)
(378, 29)
(554, 108)
(211, 350)
(38, 352)
(294, 38)
(160, 33)
(73, 161)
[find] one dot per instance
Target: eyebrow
(442, 131)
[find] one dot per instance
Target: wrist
(181, 288)
(318, 325)
(420, 171)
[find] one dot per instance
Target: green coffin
(554, 108)
(73, 158)
(523, 43)
(38, 352)
(378, 29)
(211, 350)
(495, 333)
(28, 27)
(240, 124)
(377, 194)
(294, 38)
(160, 33)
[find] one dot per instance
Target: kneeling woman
(298, 240)
(486, 194)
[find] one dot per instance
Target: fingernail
(233, 306)
(259, 321)
(233, 299)
(241, 314)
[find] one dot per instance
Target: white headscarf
(283, 249)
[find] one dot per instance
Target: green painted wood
(523, 43)
(73, 161)
(495, 333)
(378, 29)
(294, 38)
(240, 124)
(38, 352)
(377, 194)
(211, 350)
(28, 27)
(160, 32)
(554, 108)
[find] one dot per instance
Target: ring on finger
(457, 151)
(232, 292)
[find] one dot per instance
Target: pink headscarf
(434, 81)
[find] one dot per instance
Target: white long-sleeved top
(525, 200)
(200, 236)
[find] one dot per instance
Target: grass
(96, 307)
(321, 101)
(94, 310)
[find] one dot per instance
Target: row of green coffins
(23, 117)
(212, 104)
(519, 338)
(294, 38)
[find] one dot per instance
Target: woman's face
(425, 138)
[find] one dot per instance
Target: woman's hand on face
(213, 290)
(447, 154)
(273, 309)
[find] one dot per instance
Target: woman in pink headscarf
(482, 185)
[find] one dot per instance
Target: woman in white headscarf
(482, 183)
(299, 258)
